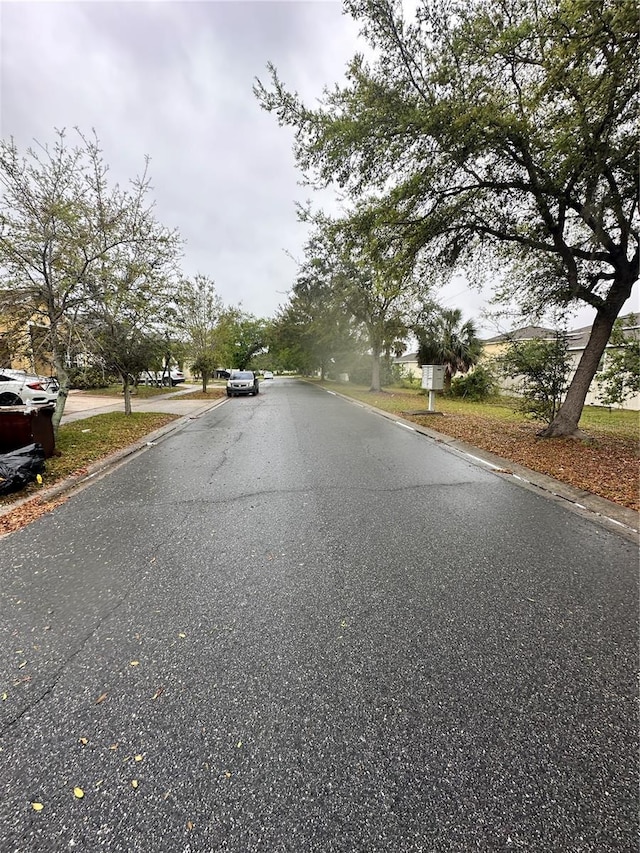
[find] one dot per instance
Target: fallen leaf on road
(137, 758)
(158, 692)
(78, 793)
(135, 663)
(101, 698)
(83, 740)
(25, 513)
(134, 783)
(37, 807)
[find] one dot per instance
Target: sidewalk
(81, 405)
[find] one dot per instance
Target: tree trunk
(63, 380)
(375, 371)
(566, 421)
(127, 394)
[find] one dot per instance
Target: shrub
(86, 378)
(542, 368)
(477, 385)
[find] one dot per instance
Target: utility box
(433, 377)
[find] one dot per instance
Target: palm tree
(447, 340)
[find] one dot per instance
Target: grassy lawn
(145, 392)
(607, 464)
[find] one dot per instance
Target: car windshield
(242, 374)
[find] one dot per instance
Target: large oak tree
(500, 129)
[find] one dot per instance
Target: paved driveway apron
(296, 626)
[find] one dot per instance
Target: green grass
(143, 391)
(619, 422)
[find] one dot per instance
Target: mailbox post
(432, 380)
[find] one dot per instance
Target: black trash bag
(20, 467)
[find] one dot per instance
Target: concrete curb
(75, 483)
(616, 518)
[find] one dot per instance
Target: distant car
(242, 382)
(18, 388)
(268, 374)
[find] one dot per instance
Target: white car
(267, 374)
(18, 388)
(160, 378)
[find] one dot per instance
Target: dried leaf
(158, 692)
(134, 783)
(83, 740)
(37, 807)
(101, 698)
(78, 793)
(114, 746)
(135, 663)
(189, 825)
(183, 636)
(137, 758)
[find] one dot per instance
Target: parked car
(159, 379)
(268, 374)
(18, 388)
(242, 382)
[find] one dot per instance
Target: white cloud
(173, 80)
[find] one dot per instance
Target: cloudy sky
(173, 80)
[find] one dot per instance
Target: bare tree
(63, 230)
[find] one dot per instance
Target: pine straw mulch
(606, 465)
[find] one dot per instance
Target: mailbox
(433, 377)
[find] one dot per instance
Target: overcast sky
(173, 80)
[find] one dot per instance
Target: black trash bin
(22, 425)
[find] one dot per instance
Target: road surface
(297, 626)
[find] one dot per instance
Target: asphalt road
(297, 626)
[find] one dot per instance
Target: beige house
(577, 339)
